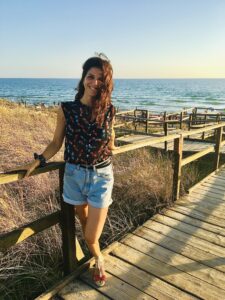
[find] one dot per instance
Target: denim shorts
(88, 186)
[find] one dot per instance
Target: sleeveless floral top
(85, 142)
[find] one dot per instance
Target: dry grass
(143, 181)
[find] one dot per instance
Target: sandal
(98, 277)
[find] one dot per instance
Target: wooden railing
(191, 118)
(65, 216)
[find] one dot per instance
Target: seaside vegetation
(143, 187)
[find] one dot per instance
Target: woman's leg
(82, 212)
(94, 226)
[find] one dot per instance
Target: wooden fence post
(68, 230)
(165, 126)
(146, 127)
(181, 119)
(178, 148)
(219, 133)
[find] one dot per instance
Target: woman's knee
(90, 239)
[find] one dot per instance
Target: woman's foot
(99, 276)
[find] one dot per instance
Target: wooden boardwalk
(189, 145)
(179, 254)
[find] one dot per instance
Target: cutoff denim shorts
(88, 186)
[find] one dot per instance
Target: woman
(87, 125)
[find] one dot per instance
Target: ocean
(156, 95)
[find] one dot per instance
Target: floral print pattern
(85, 142)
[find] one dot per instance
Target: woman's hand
(29, 168)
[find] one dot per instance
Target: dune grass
(143, 185)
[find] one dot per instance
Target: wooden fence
(65, 216)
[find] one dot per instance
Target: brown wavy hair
(102, 101)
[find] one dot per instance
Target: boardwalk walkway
(189, 145)
(179, 254)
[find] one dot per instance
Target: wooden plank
(216, 207)
(115, 288)
(67, 224)
(219, 188)
(142, 144)
(218, 181)
(218, 147)
(71, 277)
(80, 291)
(201, 191)
(18, 235)
(206, 217)
(218, 177)
(182, 236)
(144, 281)
(187, 265)
(168, 273)
(178, 148)
(204, 208)
(195, 222)
(196, 197)
(16, 175)
(183, 248)
(190, 229)
(196, 156)
(206, 129)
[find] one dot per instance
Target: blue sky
(143, 39)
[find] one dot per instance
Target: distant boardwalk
(176, 255)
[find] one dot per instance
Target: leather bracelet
(41, 158)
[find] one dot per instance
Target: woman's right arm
(58, 138)
(53, 147)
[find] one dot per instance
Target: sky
(142, 39)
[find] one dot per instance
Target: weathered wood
(178, 147)
(219, 188)
(143, 281)
(20, 234)
(12, 176)
(182, 263)
(181, 247)
(168, 273)
(196, 156)
(125, 112)
(204, 216)
(195, 222)
(212, 174)
(190, 229)
(80, 291)
(204, 208)
(199, 199)
(165, 126)
(68, 231)
(205, 129)
(69, 278)
(208, 192)
(117, 289)
(217, 147)
(189, 239)
(141, 144)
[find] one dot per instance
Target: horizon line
(139, 78)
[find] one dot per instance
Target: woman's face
(93, 81)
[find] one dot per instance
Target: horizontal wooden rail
(205, 129)
(197, 155)
(20, 234)
(11, 176)
(124, 112)
(141, 144)
(210, 114)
